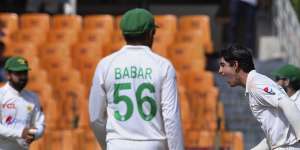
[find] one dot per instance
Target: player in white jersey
(288, 76)
(21, 119)
(270, 105)
(133, 101)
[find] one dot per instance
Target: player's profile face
(228, 71)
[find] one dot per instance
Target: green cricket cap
(16, 63)
(137, 21)
(288, 71)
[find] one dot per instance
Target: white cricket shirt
(296, 98)
(18, 110)
(264, 96)
(137, 88)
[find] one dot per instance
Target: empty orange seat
(69, 22)
(35, 21)
(37, 37)
(11, 21)
(102, 37)
(118, 41)
(198, 22)
(65, 36)
(105, 22)
(24, 49)
(166, 23)
(87, 50)
(51, 50)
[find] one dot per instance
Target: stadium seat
(25, 49)
(198, 22)
(85, 50)
(51, 50)
(68, 22)
(65, 36)
(166, 23)
(105, 22)
(11, 21)
(37, 37)
(97, 37)
(118, 41)
(35, 21)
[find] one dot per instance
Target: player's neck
(290, 92)
(243, 78)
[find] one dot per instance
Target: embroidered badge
(269, 91)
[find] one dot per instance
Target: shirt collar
(136, 47)
(11, 89)
(251, 74)
(295, 95)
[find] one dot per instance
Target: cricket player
(270, 105)
(133, 100)
(21, 119)
(288, 76)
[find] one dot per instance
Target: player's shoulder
(30, 94)
(160, 59)
(264, 85)
(107, 59)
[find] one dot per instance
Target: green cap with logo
(137, 21)
(288, 71)
(16, 63)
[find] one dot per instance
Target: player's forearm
(263, 145)
(39, 125)
(99, 130)
(292, 114)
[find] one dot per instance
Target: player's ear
(236, 66)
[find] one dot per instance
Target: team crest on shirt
(269, 90)
(29, 108)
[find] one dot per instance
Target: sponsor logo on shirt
(9, 120)
(269, 90)
(8, 106)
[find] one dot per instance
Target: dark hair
(240, 54)
(135, 38)
(294, 84)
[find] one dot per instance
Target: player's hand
(27, 135)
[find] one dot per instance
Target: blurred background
(64, 40)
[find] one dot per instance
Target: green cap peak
(16, 63)
(137, 21)
(288, 71)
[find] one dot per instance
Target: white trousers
(136, 145)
